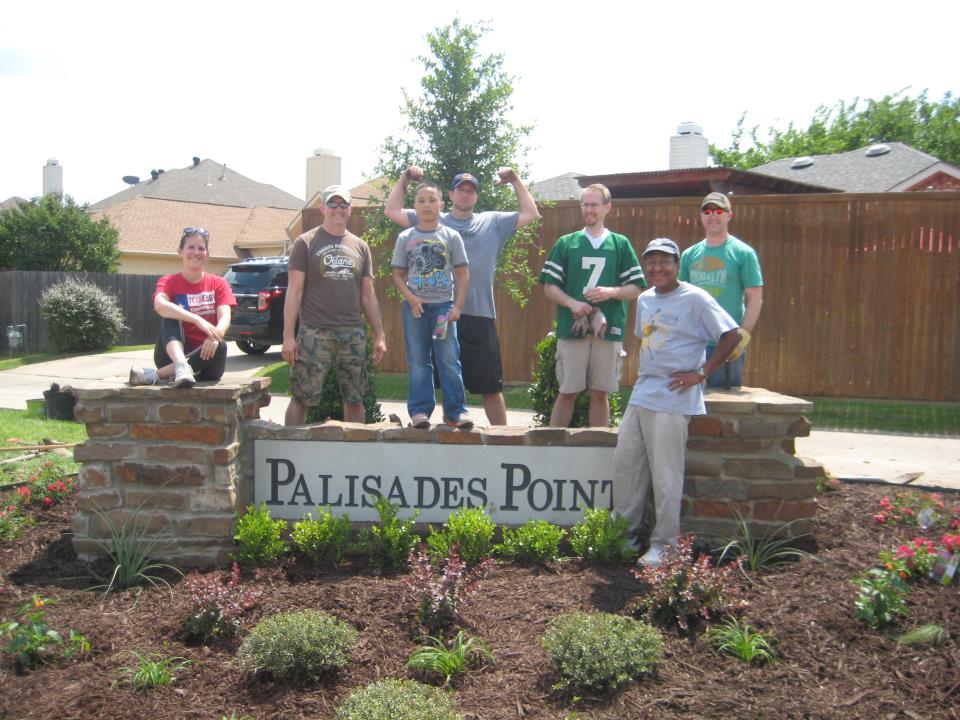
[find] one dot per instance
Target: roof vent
(801, 162)
(878, 149)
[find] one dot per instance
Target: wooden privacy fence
(20, 292)
(860, 300)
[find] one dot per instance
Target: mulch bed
(830, 665)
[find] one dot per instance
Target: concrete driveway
(924, 461)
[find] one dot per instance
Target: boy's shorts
(588, 363)
(320, 349)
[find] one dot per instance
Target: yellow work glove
(741, 346)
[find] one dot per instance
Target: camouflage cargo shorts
(344, 348)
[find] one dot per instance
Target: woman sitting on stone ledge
(194, 307)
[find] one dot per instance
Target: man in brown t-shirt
(330, 284)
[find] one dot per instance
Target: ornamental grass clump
(761, 552)
(393, 699)
(259, 537)
(600, 651)
(450, 659)
(216, 607)
(742, 641)
(299, 647)
(470, 529)
(601, 537)
(683, 590)
(324, 540)
(536, 542)
(441, 590)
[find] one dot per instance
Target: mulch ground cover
(829, 665)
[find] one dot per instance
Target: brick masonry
(182, 460)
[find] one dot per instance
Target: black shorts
(480, 354)
(211, 369)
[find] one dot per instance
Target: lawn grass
(916, 418)
(18, 429)
(17, 361)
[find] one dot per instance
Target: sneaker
(183, 376)
(461, 422)
(420, 421)
(651, 558)
(143, 376)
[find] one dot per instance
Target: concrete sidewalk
(924, 461)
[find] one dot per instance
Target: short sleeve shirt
(334, 268)
(724, 271)
(201, 298)
(429, 257)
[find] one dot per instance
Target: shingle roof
(150, 225)
(854, 171)
(11, 202)
(561, 187)
(209, 182)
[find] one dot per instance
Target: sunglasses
(713, 211)
(195, 231)
(334, 204)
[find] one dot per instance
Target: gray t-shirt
(429, 257)
(674, 329)
(484, 235)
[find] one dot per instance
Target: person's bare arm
(400, 280)
(371, 310)
(167, 309)
(291, 312)
(394, 208)
(528, 207)
(559, 297)
(624, 292)
(683, 379)
(461, 285)
(752, 302)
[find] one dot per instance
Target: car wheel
(252, 348)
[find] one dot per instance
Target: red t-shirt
(201, 298)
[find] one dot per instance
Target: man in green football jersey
(590, 274)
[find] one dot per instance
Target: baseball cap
(665, 245)
(718, 199)
(336, 191)
(462, 178)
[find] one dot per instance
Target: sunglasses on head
(334, 204)
(195, 231)
(713, 211)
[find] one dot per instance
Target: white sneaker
(143, 376)
(183, 376)
(651, 558)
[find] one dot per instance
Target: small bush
(536, 542)
(911, 561)
(741, 641)
(260, 538)
(81, 316)
(683, 589)
(297, 646)
(152, 671)
(215, 606)
(30, 641)
(398, 700)
(470, 529)
(597, 652)
(324, 540)
(448, 661)
(881, 599)
(388, 545)
(601, 537)
(13, 521)
(440, 592)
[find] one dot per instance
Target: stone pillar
(171, 458)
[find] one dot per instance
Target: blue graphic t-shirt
(429, 257)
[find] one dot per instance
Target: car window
(250, 278)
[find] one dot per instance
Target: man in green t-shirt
(729, 270)
(590, 274)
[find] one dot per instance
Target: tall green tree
(933, 127)
(459, 122)
(45, 234)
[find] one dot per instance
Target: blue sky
(113, 89)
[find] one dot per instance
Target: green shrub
(742, 641)
(882, 597)
(81, 316)
(297, 646)
(470, 529)
(544, 389)
(448, 661)
(601, 537)
(260, 538)
(30, 641)
(331, 399)
(389, 543)
(324, 540)
(597, 652)
(152, 670)
(536, 542)
(398, 700)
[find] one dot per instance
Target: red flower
(51, 487)
(47, 501)
(24, 491)
(880, 518)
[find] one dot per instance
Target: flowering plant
(951, 542)
(215, 606)
(683, 589)
(440, 591)
(918, 509)
(46, 487)
(31, 641)
(911, 560)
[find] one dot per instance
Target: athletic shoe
(183, 376)
(651, 558)
(461, 422)
(143, 376)
(420, 421)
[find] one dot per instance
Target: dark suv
(260, 286)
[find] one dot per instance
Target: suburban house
(245, 218)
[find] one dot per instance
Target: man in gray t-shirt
(484, 236)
